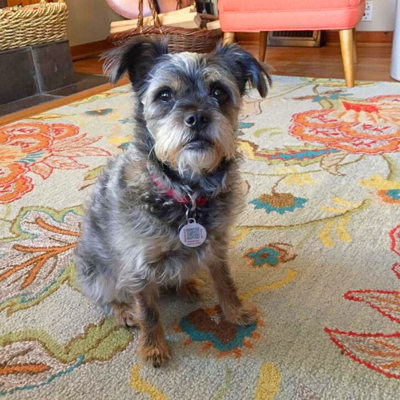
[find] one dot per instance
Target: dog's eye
(165, 96)
(220, 94)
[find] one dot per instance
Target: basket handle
(154, 14)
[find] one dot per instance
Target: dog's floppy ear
(136, 57)
(245, 68)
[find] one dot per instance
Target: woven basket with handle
(34, 24)
(179, 39)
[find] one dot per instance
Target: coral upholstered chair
(293, 15)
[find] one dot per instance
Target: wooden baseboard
(88, 50)
(332, 37)
(364, 37)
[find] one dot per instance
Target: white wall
(383, 16)
(215, 6)
(89, 21)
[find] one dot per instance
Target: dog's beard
(174, 146)
(197, 162)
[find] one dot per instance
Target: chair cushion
(261, 15)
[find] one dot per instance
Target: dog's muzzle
(198, 144)
(197, 121)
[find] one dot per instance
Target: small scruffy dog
(164, 208)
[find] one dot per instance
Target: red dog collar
(200, 201)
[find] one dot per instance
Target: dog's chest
(169, 218)
(175, 215)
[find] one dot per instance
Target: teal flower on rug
(124, 145)
(279, 202)
(32, 157)
(327, 96)
(127, 120)
(271, 255)
(264, 256)
(210, 327)
(98, 113)
(301, 155)
(243, 125)
(394, 194)
(390, 196)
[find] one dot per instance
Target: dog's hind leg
(153, 346)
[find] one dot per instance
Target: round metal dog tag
(192, 234)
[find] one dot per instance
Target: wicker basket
(34, 24)
(179, 39)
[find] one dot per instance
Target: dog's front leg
(232, 307)
(153, 346)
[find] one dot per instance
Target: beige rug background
(317, 250)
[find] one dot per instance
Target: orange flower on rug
(39, 148)
(377, 351)
(39, 254)
(367, 127)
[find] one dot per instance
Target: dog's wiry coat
(130, 235)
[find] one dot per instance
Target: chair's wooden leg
(355, 58)
(346, 45)
(262, 47)
(229, 38)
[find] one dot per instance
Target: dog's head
(190, 101)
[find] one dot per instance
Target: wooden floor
(323, 62)
(326, 62)
(91, 65)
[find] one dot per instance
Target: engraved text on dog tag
(192, 234)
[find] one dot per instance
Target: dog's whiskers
(151, 150)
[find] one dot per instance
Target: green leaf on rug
(225, 388)
(91, 177)
(99, 342)
(34, 358)
(272, 132)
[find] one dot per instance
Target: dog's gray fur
(130, 234)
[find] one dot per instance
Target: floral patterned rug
(317, 250)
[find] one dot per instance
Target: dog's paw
(124, 315)
(191, 290)
(245, 314)
(157, 355)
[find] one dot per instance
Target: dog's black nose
(196, 121)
